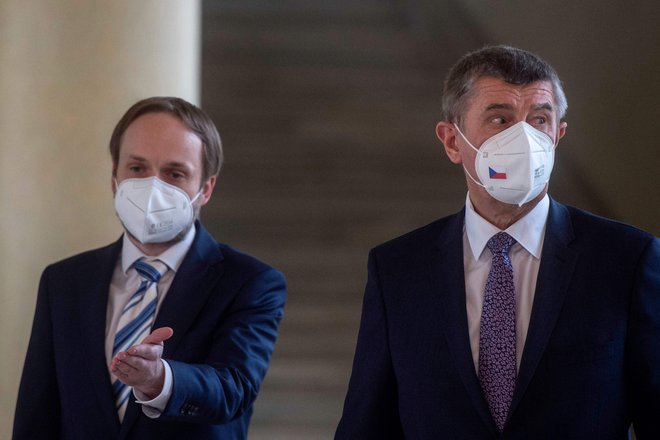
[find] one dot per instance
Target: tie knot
(151, 271)
(500, 243)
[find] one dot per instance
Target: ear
(447, 133)
(562, 130)
(113, 181)
(207, 190)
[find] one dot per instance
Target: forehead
(488, 93)
(162, 135)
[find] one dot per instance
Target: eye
(177, 175)
(499, 120)
(539, 120)
(135, 168)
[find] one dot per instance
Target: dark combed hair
(190, 115)
(510, 64)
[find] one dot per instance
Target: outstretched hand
(140, 366)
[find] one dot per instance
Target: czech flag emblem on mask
(497, 173)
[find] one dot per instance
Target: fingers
(140, 365)
(146, 351)
(158, 336)
(138, 357)
(125, 363)
(145, 376)
(121, 369)
(151, 347)
(136, 370)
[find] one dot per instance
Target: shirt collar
(528, 231)
(172, 257)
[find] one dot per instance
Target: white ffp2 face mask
(153, 211)
(515, 164)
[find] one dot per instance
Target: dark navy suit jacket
(591, 361)
(224, 307)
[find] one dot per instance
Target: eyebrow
(543, 106)
(136, 158)
(172, 164)
(499, 107)
(178, 165)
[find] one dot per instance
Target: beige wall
(68, 70)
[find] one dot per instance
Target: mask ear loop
(199, 193)
(475, 149)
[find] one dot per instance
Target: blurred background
(327, 113)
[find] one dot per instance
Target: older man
(518, 317)
(94, 367)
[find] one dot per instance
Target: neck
(501, 215)
(150, 249)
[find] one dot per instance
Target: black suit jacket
(591, 361)
(224, 307)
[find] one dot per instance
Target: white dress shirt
(525, 257)
(125, 281)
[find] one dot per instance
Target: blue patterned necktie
(497, 333)
(135, 320)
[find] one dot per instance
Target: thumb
(158, 336)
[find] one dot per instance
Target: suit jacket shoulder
(104, 257)
(440, 232)
(235, 259)
(588, 234)
(588, 224)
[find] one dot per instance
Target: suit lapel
(555, 272)
(93, 304)
(190, 288)
(448, 278)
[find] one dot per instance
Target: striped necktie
(497, 333)
(136, 320)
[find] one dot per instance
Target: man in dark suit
(518, 317)
(94, 368)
